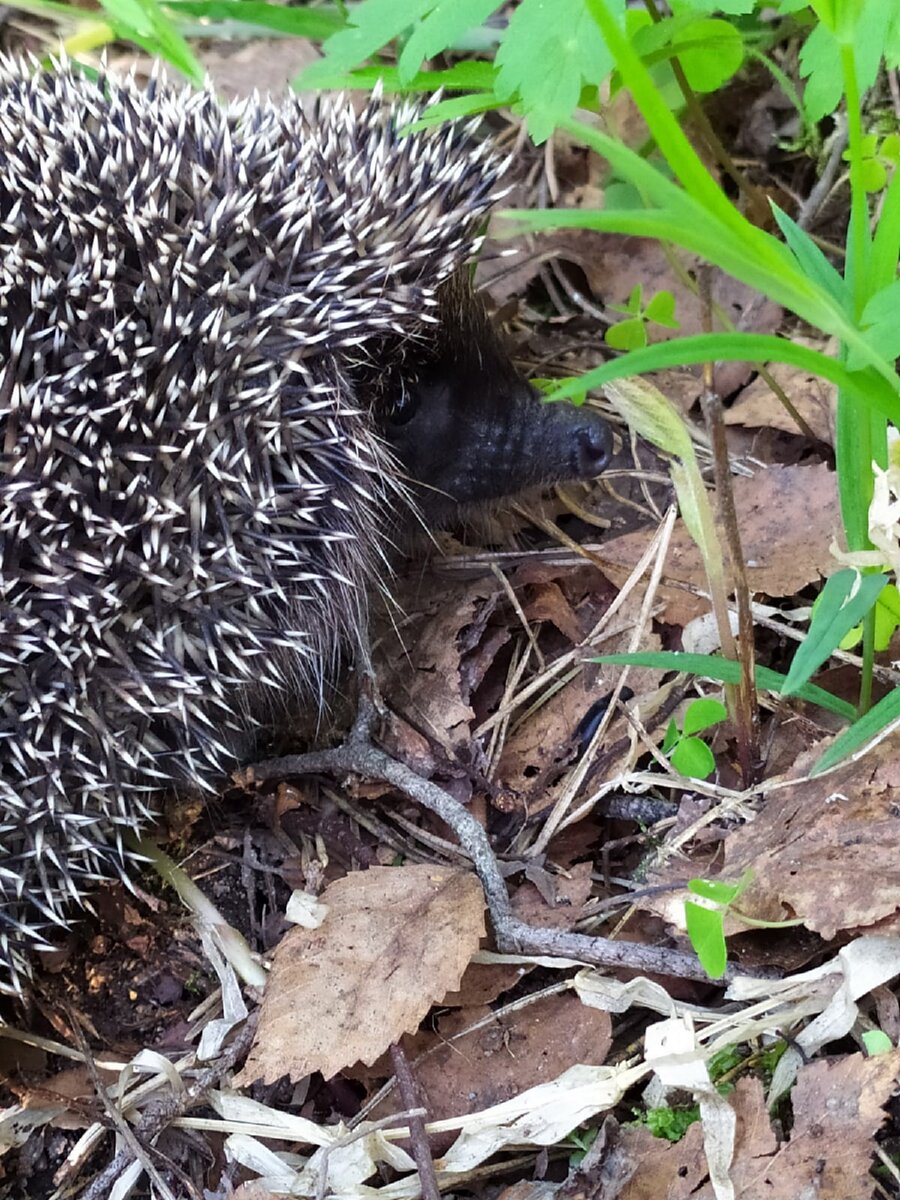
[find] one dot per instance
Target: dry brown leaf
(788, 518)
(813, 397)
(537, 752)
(563, 905)
(837, 1110)
(827, 849)
(548, 602)
(653, 1167)
(482, 983)
(394, 941)
(837, 1106)
(442, 656)
(824, 850)
(504, 1058)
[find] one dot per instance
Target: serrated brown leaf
(395, 940)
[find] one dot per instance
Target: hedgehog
(239, 350)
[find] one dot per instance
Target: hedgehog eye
(403, 404)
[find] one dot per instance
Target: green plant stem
(757, 923)
(667, 133)
(865, 683)
(862, 434)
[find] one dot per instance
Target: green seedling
(671, 1123)
(581, 1140)
(879, 158)
(547, 386)
(706, 922)
(631, 334)
(689, 754)
(876, 1042)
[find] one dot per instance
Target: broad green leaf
(551, 48)
(704, 714)
(718, 890)
(844, 601)
(705, 928)
(441, 29)
(371, 26)
(693, 758)
(820, 64)
(710, 52)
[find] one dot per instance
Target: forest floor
(540, 1074)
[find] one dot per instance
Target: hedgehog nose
(593, 447)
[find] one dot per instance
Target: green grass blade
(713, 666)
(865, 387)
(810, 257)
(688, 226)
(845, 599)
(886, 712)
(298, 22)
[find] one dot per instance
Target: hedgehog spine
(193, 497)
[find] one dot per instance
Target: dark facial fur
(468, 427)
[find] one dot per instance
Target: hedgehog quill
(238, 349)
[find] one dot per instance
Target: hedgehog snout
(593, 446)
(569, 442)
